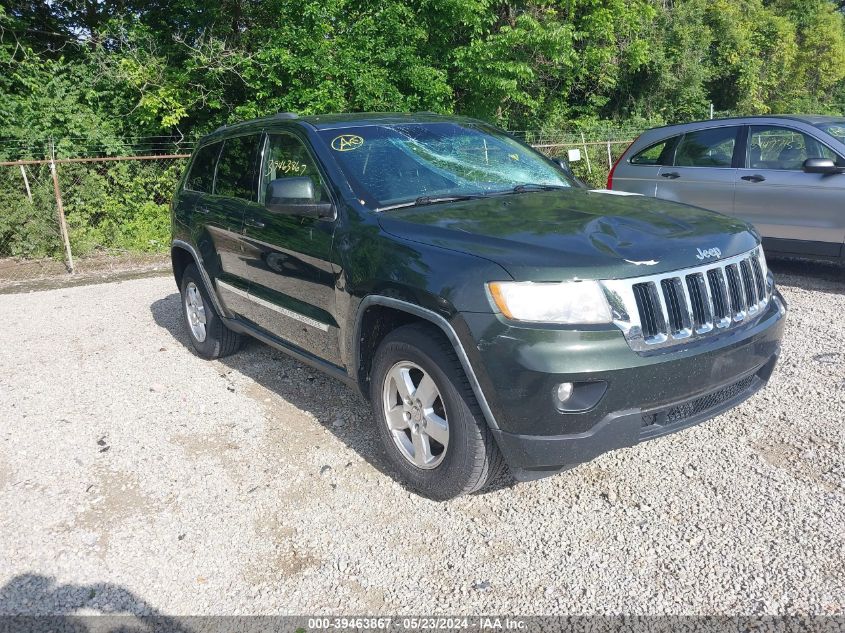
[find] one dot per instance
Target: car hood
(575, 234)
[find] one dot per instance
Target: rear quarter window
(201, 176)
(657, 154)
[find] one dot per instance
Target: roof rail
(286, 115)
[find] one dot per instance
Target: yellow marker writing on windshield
(346, 142)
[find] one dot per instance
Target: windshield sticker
(346, 142)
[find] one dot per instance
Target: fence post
(609, 156)
(26, 184)
(586, 153)
(60, 208)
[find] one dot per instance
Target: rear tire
(209, 335)
(429, 421)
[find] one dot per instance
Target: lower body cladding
(612, 397)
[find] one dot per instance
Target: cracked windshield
(836, 129)
(402, 165)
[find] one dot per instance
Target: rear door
(221, 218)
(289, 258)
(703, 172)
(797, 212)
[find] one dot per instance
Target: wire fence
(81, 206)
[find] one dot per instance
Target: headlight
(574, 302)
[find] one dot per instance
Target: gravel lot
(136, 477)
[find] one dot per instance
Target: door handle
(754, 178)
(258, 224)
(203, 210)
(671, 174)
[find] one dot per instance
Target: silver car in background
(784, 174)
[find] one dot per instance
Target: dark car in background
(783, 174)
(491, 309)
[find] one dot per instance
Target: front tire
(429, 421)
(209, 335)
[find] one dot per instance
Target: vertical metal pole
(60, 208)
(586, 153)
(26, 184)
(609, 156)
(711, 111)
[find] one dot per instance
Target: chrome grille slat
(676, 306)
(749, 284)
(700, 303)
(671, 308)
(759, 277)
(735, 291)
(721, 298)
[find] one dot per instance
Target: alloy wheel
(195, 311)
(416, 415)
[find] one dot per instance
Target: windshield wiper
(533, 186)
(426, 200)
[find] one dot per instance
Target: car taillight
(618, 160)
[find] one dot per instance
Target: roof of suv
(812, 119)
(335, 121)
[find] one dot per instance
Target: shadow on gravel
(38, 603)
(810, 275)
(337, 407)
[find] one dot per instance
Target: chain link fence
(84, 214)
(600, 147)
(90, 213)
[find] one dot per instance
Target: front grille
(667, 309)
(687, 410)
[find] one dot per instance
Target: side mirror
(821, 166)
(572, 156)
(562, 163)
(296, 196)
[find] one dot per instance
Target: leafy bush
(118, 205)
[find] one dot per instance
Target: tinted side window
(707, 148)
(773, 147)
(288, 158)
(201, 177)
(236, 169)
(657, 154)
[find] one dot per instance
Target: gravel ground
(136, 477)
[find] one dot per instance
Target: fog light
(572, 397)
(562, 393)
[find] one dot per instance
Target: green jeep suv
(491, 309)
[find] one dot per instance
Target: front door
(291, 274)
(702, 174)
(795, 211)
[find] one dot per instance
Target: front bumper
(646, 395)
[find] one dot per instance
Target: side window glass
(657, 154)
(236, 169)
(287, 157)
(772, 147)
(201, 177)
(707, 148)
